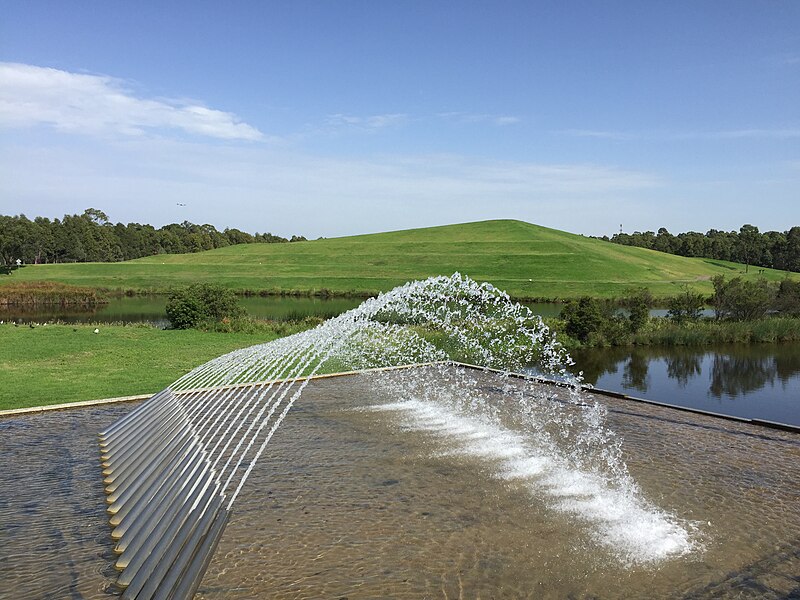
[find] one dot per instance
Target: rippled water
(54, 540)
(368, 495)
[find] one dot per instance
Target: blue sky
(334, 118)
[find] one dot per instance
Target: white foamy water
(619, 518)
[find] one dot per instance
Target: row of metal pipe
(165, 506)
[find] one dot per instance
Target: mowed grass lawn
(528, 261)
(67, 363)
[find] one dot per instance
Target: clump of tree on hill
(91, 237)
(771, 249)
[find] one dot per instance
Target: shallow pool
(366, 495)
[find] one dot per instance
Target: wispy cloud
(791, 59)
(465, 117)
(260, 188)
(732, 134)
(779, 134)
(370, 122)
(101, 105)
(600, 134)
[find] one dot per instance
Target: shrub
(740, 300)
(638, 304)
(583, 318)
(202, 304)
(686, 306)
(787, 300)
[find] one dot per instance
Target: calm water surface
(758, 381)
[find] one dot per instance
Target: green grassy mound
(528, 261)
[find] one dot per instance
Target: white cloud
(98, 104)
(505, 120)
(465, 117)
(600, 134)
(371, 122)
(755, 133)
(779, 134)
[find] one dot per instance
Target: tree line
(91, 237)
(771, 249)
(626, 320)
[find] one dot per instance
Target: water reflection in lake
(756, 381)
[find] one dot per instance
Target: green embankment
(528, 261)
(67, 363)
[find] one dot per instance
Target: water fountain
(175, 466)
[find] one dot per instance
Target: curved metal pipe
(150, 575)
(155, 541)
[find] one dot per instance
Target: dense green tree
(749, 247)
(793, 250)
(202, 304)
(722, 244)
(665, 242)
(787, 298)
(583, 317)
(686, 306)
(738, 299)
(92, 237)
(691, 244)
(638, 304)
(45, 241)
(236, 236)
(773, 249)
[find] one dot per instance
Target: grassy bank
(705, 332)
(66, 363)
(48, 293)
(708, 332)
(527, 261)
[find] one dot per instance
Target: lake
(152, 309)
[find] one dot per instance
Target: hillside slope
(528, 261)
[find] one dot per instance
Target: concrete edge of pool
(586, 388)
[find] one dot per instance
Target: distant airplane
(180, 204)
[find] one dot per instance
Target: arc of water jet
(230, 408)
(254, 398)
(240, 419)
(258, 417)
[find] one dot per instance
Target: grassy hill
(528, 261)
